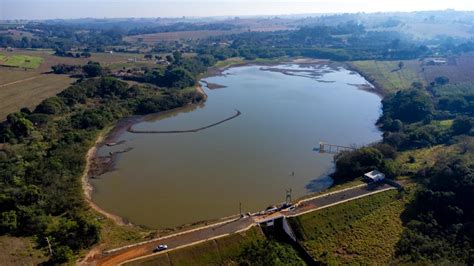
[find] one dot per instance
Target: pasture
(20, 61)
(387, 75)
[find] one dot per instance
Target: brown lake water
(173, 179)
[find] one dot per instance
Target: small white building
(435, 61)
(374, 176)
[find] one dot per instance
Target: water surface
(173, 179)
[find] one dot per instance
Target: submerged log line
(131, 130)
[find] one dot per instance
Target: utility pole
(288, 196)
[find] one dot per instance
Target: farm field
(458, 70)
(362, 231)
(387, 75)
(219, 251)
(30, 92)
(177, 35)
(21, 87)
(20, 61)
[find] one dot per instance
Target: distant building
(435, 61)
(374, 176)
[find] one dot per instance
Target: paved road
(213, 231)
(179, 240)
(329, 199)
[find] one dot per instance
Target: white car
(160, 248)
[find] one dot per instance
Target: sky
(51, 9)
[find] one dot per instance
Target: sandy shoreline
(87, 187)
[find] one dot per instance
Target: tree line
(43, 156)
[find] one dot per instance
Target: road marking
(255, 223)
(188, 245)
(169, 236)
(340, 202)
(331, 193)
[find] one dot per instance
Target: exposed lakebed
(172, 179)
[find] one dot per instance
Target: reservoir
(167, 180)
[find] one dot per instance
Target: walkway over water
(332, 148)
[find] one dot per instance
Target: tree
(178, 78)
(92, 69)
(417, 85)
(462, 125)
(352, 164)
(407, 106)
(177, 57)
(400, 65)
(441, 80)
(62, 254)
(19, 125)
(51, 106)
(8, 221)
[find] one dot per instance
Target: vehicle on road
(160, 248)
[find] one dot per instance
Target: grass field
(220, 251)
(177, 35)
(362, 231)
(19, 251)
(387, 75)
(20, 87)
(21, 61)
(30, 92)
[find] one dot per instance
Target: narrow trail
(18, 81)
(131, 130)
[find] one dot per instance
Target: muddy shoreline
(99, 165)
(375, 88)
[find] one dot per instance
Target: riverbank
(375, 88)
(87, 187)
(96, 166)
(160, 154)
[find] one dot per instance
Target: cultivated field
(20, 87)
(177, 35)
(245, 25)
(458, 70)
